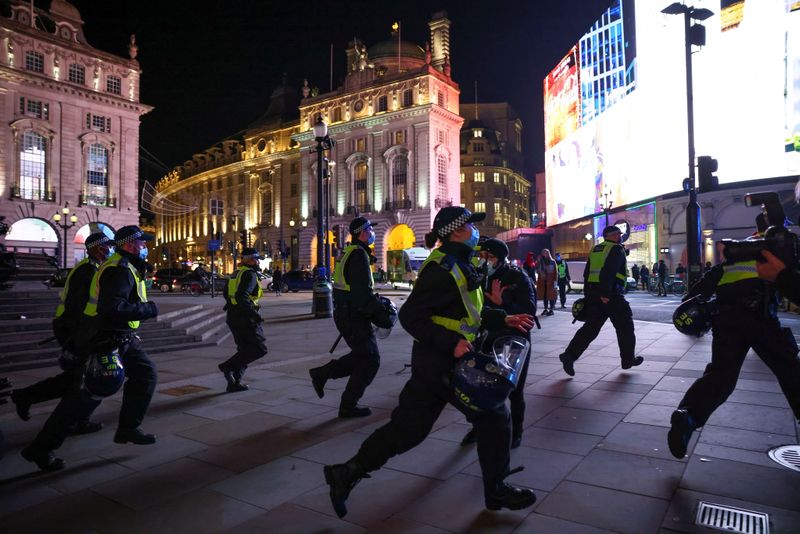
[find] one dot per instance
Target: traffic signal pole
(693, 207)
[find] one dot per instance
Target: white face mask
(491, 268)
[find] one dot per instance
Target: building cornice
(383, 119)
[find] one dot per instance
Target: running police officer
(354, 299)
(443, 315)
(65, 324)
(746, 318)
(117, 303)
(244, 320)
(509, 289)
(605, 279)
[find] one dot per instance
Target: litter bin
(322, 303)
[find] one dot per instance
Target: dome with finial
(388, 49)
(62, 8)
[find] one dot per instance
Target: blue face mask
(143, 253)
(472, 242)
(491, 268)
(371, 238)
(110, 252)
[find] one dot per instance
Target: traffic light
(706, 167)
(243, 237)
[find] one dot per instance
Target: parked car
(296, 280)
(167, 280)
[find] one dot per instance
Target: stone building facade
(69, 130)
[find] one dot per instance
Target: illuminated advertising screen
(629, 141)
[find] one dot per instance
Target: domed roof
(64, 9)
(389, 49)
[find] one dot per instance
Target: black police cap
(250, 252)
(608, 230)
(496, 248)
(126, 234)
(359, 224)
(453, 217)
(96, 239)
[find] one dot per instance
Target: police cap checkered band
(249, 252)
(127, 234)
(452, 218)
(97, 239)
(455, 224)
(359, 224)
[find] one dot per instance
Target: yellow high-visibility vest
(94, 289)
(233, 286)
(339, 281)
(65, 291)
(597, 259)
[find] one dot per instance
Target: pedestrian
(443, 314)
(662, 278)
(547, 281)
(635, 274)
(277, 281)
(680, 271)
(354, 301)
(529, 266)
(509, 289)
(604, 288)
(241, 302)
(117, 304)
(745, 318)
(563, 278)
(69, 313)
(381, 275)
(708, 267)
(644, 274)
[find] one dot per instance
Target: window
(496, 208)
(408, 98)
(462, 178)
(114, 85)
(33, 166)
(336, 115)
(97, 175)
(34, 61)
(399, 178)
(76, 74)
(98, 123)
(477, 147)
(382, 103)
(361, 186)
(479, 177)
(496, 177)
(477, 133)
(216, 206)
(266, 205)
(34, 108)
(480, 207)
(440, 98)
(294, 168)
(441, 172)
(361, 144)
(293, 190)
(440, 136)
(399, 137)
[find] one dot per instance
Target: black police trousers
(361, 364)
(251, 343)
(77, 405)
(517, 399)
(562, 290)
(419, 406)
(619, 311)
(775, 346)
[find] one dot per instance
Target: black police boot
(680, 433)
(508, 496)
(133, 435)
(469, 438)
(319, 375)
(354, 411)
(233, 379)
(567, 362)
(86, 427)
(45, 461)
(342, 478)
(516, 438)
(633, 362)
(22, 405)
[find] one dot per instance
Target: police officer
(69, 312)
(510, 289)
(787, 281)
(746, 319)
(604, 282)
(242, 296)
(443, 315)
(354, 301)
(117, 304)
(563, 279)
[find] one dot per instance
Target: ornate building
(70, 130)
(492, 167)
(395, 125)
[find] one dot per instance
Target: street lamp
(322, 305)
(65, 226)
(694, 34)
(608, 203)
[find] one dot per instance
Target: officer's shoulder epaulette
(448, 261)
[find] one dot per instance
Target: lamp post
(329, 171)
(322, 305)
(694, 34)
(65, 226)
(608, 203)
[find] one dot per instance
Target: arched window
(361, 186)
(400, 179)
(97, 175)
(441, 185)
(33, 166)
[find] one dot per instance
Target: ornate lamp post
(65, 226)
(322, 305)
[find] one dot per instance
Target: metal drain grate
(787, 456)
(730, 519)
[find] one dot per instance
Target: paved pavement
(594, 447)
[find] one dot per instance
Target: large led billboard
(615, 106)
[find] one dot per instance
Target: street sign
(213, 244)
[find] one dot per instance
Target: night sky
(209, 67)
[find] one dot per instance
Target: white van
(576, 274)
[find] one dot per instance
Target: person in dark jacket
(563, 279)
(509, 289)
(243, 318)
(443, 315)
(277, 282)
(662, 279)
(604, 281)
(69, 312)
(354, 301)
(644, 273)
(116, 305)
(635, 273)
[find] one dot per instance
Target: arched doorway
(33, 236)
(399, 238)
(333, 246)
(84, 232)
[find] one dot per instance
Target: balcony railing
(442, 202)
(97, 200)
(394, 205)
(33, 194)
(360, 208)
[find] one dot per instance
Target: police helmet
(579, 310)
(693, 316)
(104, 374)
(478, 384)
(385, 313)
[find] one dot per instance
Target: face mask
(472, 242)
(371, 238)
(143, 253)
(110, 252)
(491, 268)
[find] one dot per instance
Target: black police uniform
(611, 285)
(788, 285)
(245, 321)
(352, 317)
(746, 318)
(563, 281)
(118, 304)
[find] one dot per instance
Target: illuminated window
(382, 103)
(76, 74)
(336, 116)
(360, 184)
(496, 208)
(477, 133)
(399, 137)
(496, 177)
(462, 178)
(361, 144)
(480, 207)
(400, 178)
(33, 166)
(441, 171)
(34, 61)
(114, 85)
(408, 98)
(479, 176)
(97, 175)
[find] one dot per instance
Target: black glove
(153, 309)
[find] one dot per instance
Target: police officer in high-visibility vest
(353, 297)
(604, 286)
(443, 314)
(117, 304)
(563, 278)
(69, 312)
(746, 318)
(244, 319)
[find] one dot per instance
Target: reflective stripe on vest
(562, 269)
(233, 286)
(339, 281)
(473, 302)
(743, 270)
(94, 288)
(65, 291)
(597, 260)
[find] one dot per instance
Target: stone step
(45, 325)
